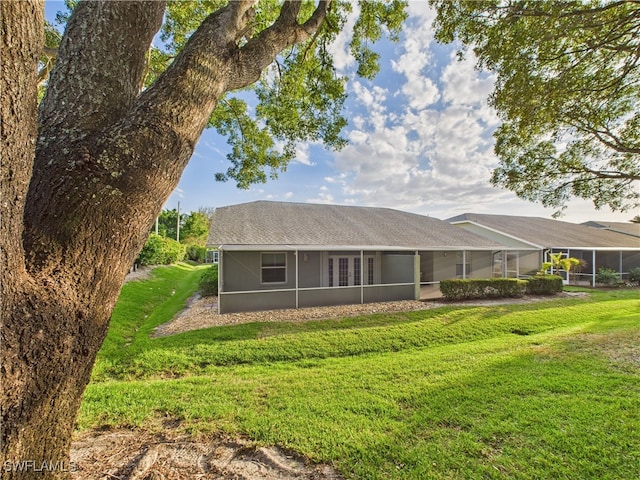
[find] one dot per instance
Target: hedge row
(544, 285)
(457, 289)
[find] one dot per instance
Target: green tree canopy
(168, 223)
(194, 226)
(567, 91)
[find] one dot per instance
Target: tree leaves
(568, 92)
(253, 149)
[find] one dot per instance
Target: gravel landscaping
(203, 312)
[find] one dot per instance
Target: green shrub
(151, 251)
(607, 276)
(208, 285)
(457, 289)
(544, 285)
(634, 275)
(196, 253)
(159, 250)
(173, 251)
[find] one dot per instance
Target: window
(212, 256)
(463, 270)
(274, 268)
(370, 271)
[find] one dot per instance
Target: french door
(346, 270)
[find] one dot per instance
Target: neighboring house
(596, 247)
(290, 255)
(621, 227)
(211, 256)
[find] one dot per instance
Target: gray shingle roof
(549, 233)
(620, 227)
(283, 223)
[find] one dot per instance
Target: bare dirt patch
(141, 273)
(141, 455)
(621, 349)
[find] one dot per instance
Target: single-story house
(290, 255)
(597, 247)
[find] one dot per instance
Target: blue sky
(420, 140)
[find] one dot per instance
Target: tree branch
(103, 50)
(605, 136)
(261, 50)
(210, 64)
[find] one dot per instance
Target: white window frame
(273, 267)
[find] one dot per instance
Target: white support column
(464, 264)
(297, 274)
(220, 277)
(505, 259)
(361, 276)
(593, 268)
(416, 275)
(620, 270)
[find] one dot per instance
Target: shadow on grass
(497, 408)
(195, 352)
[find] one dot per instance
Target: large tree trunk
(82, 183)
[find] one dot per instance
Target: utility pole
(178, 225)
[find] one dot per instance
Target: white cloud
(422, 92)
(416, 60)
(463, 84)
(372, 98)
(435, 151)
(421, 12)
(276, 196)
(302, 155)
(323, 196)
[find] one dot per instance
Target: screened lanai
(595, 247)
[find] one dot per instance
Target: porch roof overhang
(358, 248)
(499, 232)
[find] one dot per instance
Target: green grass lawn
(545, 390)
